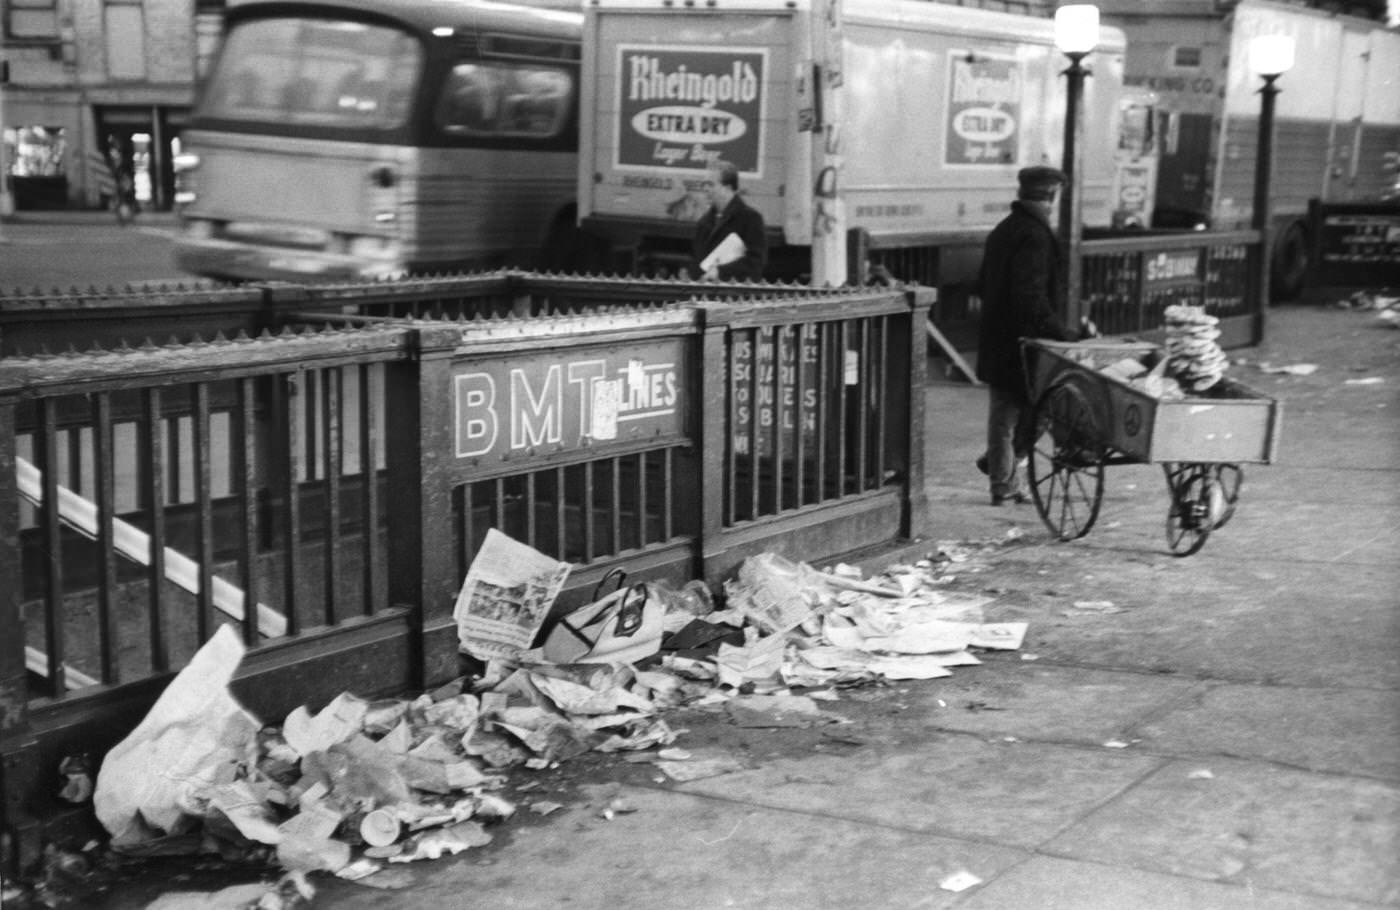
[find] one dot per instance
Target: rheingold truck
(897, 121)
(1336, 116)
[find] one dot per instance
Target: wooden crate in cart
(1088, 416)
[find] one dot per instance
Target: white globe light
(1271, 55)
(1077, 28)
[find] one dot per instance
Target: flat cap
(1040, 181)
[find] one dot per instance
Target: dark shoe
(982, 463)
(1019, 499)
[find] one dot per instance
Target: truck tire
(1289, 268)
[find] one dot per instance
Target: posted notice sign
(984, 109)
(683, 107)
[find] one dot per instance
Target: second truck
(1337, 114)
(898, 122)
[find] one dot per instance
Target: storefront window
(36, 151)
(38, 166)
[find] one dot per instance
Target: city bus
(348, 140)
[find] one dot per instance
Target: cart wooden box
(1086, 419)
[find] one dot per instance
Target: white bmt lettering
(536, 419)
(477, 425)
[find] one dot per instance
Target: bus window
(494, 99)
(314, 72)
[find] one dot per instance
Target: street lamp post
(6, 200)
(1076, 35)
(1270, 56)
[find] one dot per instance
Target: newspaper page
(506, 595)
(730, 249)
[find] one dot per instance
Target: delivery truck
(1337, 114)
(899, 122)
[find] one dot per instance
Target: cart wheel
(1066, 461)
(1198, 505)
(1231, 479)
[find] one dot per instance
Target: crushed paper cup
(380, 828)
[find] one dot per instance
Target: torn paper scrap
(1005, 636)
(153, 781)
(775, 594)
(337, 722)
(758, 660)
(959, 881)
(699, 768)
(777, 711)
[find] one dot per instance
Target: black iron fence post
(19, 830)
(713, 381)
(422, 565)
(910, 433)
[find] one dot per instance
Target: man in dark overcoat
(729, 214)
(1020, 287)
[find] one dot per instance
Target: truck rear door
(672, 89)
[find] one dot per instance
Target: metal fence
(1128, 282)
(325, 487)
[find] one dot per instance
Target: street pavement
(65, 249)
(1206, 733)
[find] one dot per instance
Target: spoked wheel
(1199, 505)
(1066, 461)
(1231, 479)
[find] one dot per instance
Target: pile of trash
(361, 783)
(1385, 304)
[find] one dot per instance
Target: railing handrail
(1174, 241)
(74, 372)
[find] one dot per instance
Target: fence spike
(243, 335)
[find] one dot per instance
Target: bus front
(294, 166)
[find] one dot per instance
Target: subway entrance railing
(324, 486)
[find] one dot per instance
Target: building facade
(97, 94)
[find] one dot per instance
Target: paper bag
(162, 776)
(623, 627)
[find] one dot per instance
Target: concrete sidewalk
(1225, 734)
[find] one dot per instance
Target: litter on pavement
(360, 783)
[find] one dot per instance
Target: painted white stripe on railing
(81, 515)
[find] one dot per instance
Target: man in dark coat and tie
(728, 216)
(1022, 297)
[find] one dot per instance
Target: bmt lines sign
(546, 404)
(684, 107)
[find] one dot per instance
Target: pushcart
(1086, 419)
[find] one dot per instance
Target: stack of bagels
(1193, 355)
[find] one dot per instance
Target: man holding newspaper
(729, 244)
